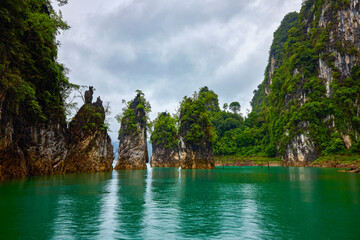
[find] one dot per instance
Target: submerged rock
(165, 144)
(133, 153)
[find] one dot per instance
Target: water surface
(241, 203)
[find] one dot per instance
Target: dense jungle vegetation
(33, 82)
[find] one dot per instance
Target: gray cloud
(169, 48)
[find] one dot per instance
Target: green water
(230, 203)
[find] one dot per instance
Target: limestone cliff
(311, 94)
(31, 149)
(34, 138)
(32, 119)
(28, 149)
(196, 156)
(132, 153)
(165, 146)
(195, 135)
(90, 148)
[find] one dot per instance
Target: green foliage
(89, 118)
(338, 159)
(235, 107)
(195, 124)
(292, 99)
(136, 112)
(31, 78)
(224, 121)
(210, 98)
(276, 54)
(165, 131)
(225, 106)
(334, 146)
(356, 148)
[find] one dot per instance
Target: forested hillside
(309, 99)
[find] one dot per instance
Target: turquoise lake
(230, 203)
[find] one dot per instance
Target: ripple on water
(242, 203)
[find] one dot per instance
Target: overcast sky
(169, 48)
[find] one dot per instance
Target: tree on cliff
(225, 106)
(235, 107)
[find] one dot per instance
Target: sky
(169, 49)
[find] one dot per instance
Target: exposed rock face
(165, 148)
(326, 74)
(196, 156)
(301, 150)
(90, 148)
(270, 74)
(89, 95)
(275, 60)
(30, 149)
(133, 153)
(164, 157)
(314, 72)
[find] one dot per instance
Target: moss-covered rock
(90, 148)
(133, 153)
(196, 134)
(165, 142)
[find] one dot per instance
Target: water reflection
(131, 203)
(108, 221)
(184, 204)
(79, 205)
(161, 216)
(200, 215)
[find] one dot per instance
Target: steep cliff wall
(27, 150)
(132, 151)
(90, 148)
(165, 144)
(195, 135)
(276, 55)
(311, 97)
(32, 119)
(34, 139)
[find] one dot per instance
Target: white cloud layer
(169, 48)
